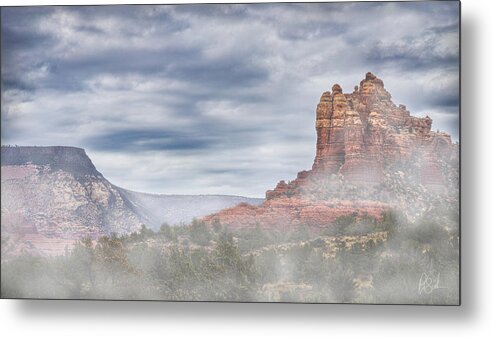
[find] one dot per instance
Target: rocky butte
(371, 155)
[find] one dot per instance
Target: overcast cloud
(214, 99)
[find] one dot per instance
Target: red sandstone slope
(370, 155)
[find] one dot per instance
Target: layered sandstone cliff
(361, 132)
(56, 193)
(368, 150)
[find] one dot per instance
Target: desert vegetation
(359, 259)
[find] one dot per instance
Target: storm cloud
(214, 99)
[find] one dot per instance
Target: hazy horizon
(214, 99)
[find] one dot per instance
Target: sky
(214, 99)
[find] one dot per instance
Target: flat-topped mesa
(70, 159)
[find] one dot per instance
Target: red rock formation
(366, 140)
(360, 134)
(288, 213)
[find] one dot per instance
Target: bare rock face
(368, 149)
(69, 159)
(289, 213)
(56, 193)
(359, 132)
(363, 136)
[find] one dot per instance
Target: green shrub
(199, 233)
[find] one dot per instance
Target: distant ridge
(176, 209)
